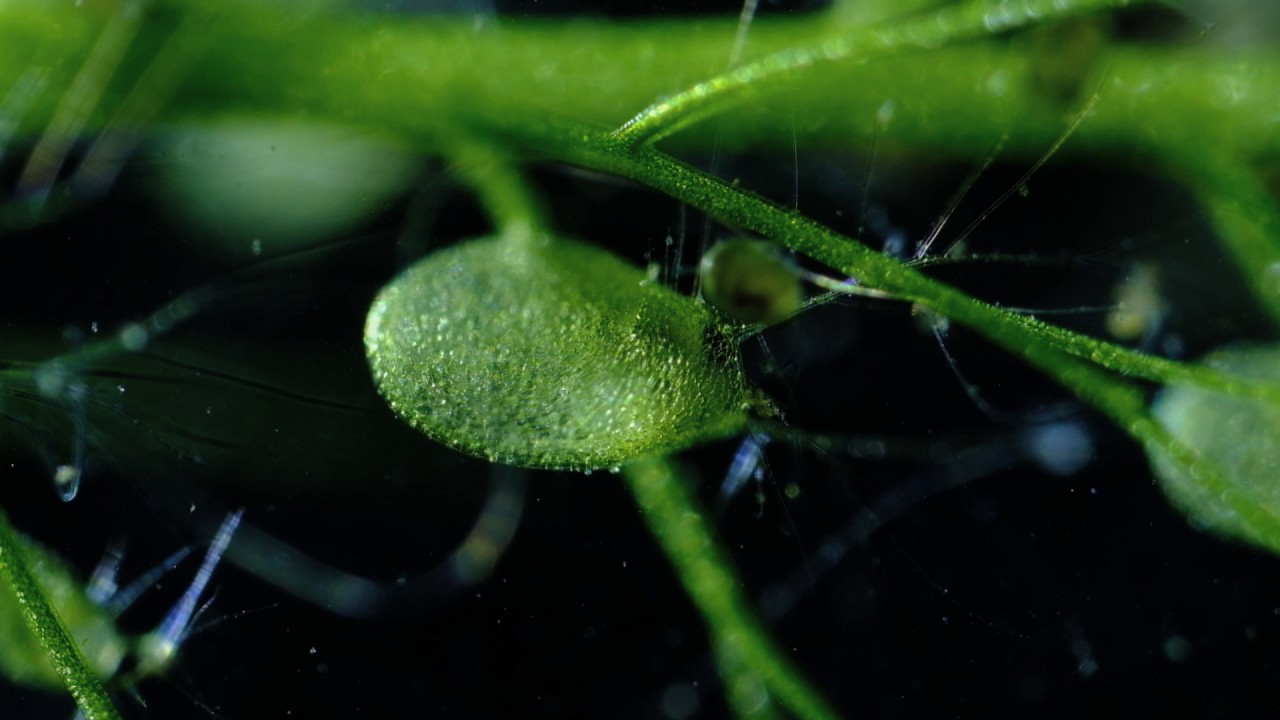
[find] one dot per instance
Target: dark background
(976, 582)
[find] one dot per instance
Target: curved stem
(742, 645)
(513, 208)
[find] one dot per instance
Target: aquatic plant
(503, 100)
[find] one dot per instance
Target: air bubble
(134, 337)
(1177, 648)
(66, 478)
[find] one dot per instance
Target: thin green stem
(1127, 361)
(741, 208)
(680, 524)
(64, 654)
(748, 82)
(513, 208)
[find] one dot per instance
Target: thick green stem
(420, 75)
(742, 645)
(64, 654)
(751, 81)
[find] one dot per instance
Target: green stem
(742, 645)
(1071, 359)
(64, 654)
(416, 75)
(749, 82)
(1126, 406)
(513, 208)
(741, 208)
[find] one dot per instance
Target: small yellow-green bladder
(546, 352)
(1239, 437)
(750, 281)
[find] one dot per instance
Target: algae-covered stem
(64, 654)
